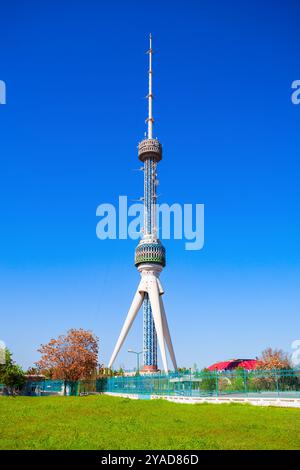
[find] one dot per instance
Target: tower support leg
(135, 306)
(153, 292)
(167, 335)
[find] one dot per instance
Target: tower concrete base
(149, 369)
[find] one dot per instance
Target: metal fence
(265, 383)
(271, 383)
(50, 387)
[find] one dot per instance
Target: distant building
(248, 364)
(35, 377)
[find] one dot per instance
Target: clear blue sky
(76, 78)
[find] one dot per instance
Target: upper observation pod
(150, 148)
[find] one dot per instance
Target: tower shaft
(149, 331)
(150, 182)
(149, 336)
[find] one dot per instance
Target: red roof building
(248, 364)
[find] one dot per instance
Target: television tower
(150, 258)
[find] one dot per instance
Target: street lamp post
(137, 357)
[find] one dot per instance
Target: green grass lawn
(104, 422)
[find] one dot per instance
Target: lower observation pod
(150, 252)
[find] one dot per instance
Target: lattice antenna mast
(150, 95)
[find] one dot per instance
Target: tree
(32, 371)
(14, 378)
(11, 375)
(271, 359)
(104, 371)
(120, 371)
(70, 357)
(8, 361)
(207, 380)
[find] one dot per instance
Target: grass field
(104, 422)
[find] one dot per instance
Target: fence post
(245, 381)
(217, 384)
(277, 385)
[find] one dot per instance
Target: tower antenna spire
(150, 119)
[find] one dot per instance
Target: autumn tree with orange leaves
(70, 357)
(274, 359)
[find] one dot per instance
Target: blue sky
(76, 78)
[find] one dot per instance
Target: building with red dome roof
(248, 364)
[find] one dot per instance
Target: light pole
(137, 357)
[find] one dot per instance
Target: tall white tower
(150, 259)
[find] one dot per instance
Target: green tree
(14, 378)
(238, 380)
(119, 372)
(8, 361)
(11, 375)
(207, 380)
